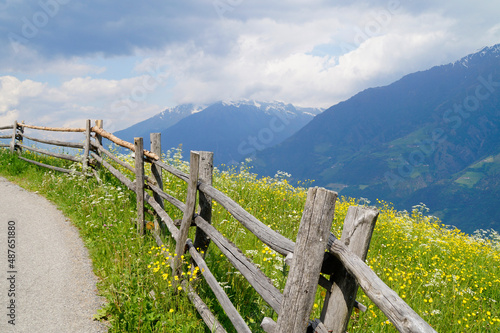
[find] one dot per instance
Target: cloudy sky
(63, 61)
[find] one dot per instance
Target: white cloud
(276, 60)
(73, 101)
(12, 90)
(311, 53)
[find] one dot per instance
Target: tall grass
(451, 279)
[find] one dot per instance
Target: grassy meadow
(449, 278)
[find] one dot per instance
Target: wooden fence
(316, 252)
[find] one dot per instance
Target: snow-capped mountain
(488, 51)
(233, 130)
(273, 107)
(157, 123)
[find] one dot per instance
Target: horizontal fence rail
(54, 129)
(343, 261)
(18, 137)
(56, 143)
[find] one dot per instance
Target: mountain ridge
(237, 130)
(164, 119)
(404, 140)
(233, 130)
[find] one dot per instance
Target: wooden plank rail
(179, 174)
(224, 301)
(6, 127)
(101, 149)
(174, 201)
(261, 283)
(205, 313)
(49, 166)
(163, 215)
(5, 136)
(282, 244)
(49, 153)
(18, 134)
(273, 239)
(54, 129)
(404, 318)
(122, 143)
(55, 142)
(127, 182)
(4, 145)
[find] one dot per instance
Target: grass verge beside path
(138, 300)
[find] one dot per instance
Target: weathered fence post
(99, 123)
(300, 288)
(139, 183)
(20, 136)
(201, 240)
(187, 218)
(85, 158)
(157, 173)
(356, 235)
(13, 141)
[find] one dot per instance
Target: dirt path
(50, 281)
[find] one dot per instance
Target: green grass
(414, 137)
(470, 178)
(447, 277)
